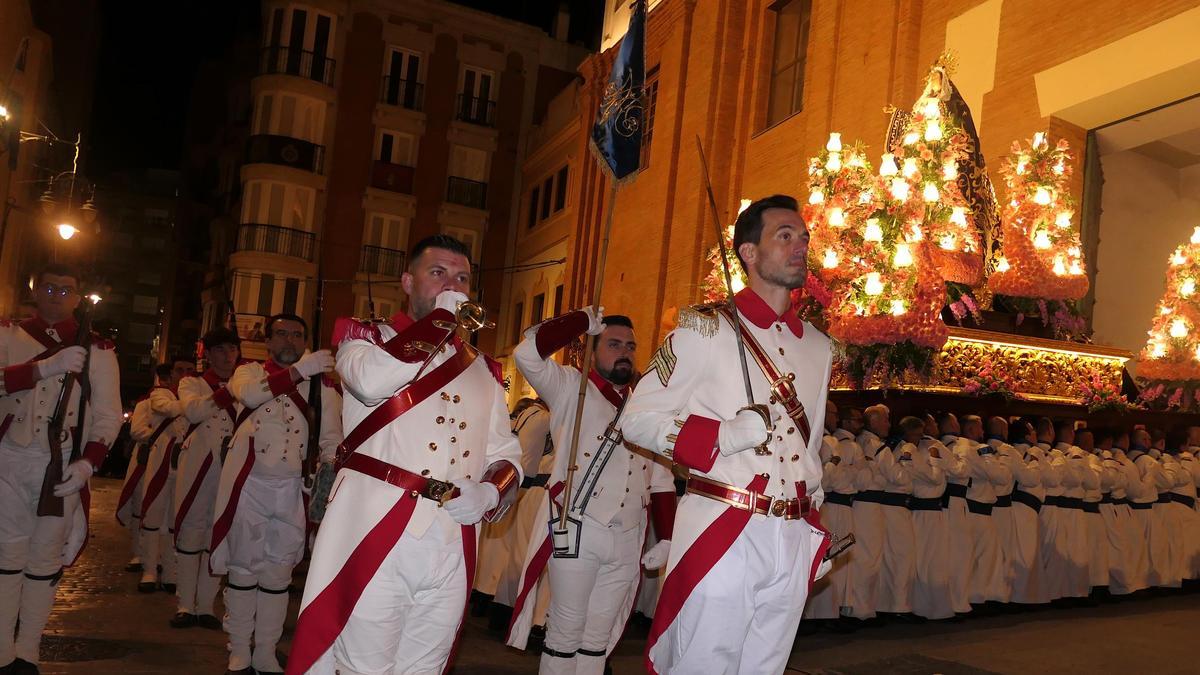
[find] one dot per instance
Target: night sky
(150, 53)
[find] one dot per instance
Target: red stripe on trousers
(225, 521)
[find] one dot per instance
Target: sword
(733, 310)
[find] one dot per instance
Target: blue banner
(617, 133)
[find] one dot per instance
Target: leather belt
(1003, 501)
(956, 490)
(1141, 506)
(740, 498)
(1064, 502)
(981, 508)
(420, 486)
(925, 504)
(1028, 499)
(1164, 498)
(1091, 507)
(883, 497)
(839, 498)
(1187, 501)
(538, 480)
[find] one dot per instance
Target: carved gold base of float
(1049, 371)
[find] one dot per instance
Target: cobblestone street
(102, 625)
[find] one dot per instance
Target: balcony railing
(476, 110)
(466, 192)
(286, 151)
(392, 177)
(402, 92)
(275, 239)
(298, 62)
(382, 260)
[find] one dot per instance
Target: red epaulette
(350, 328)
(497, 369)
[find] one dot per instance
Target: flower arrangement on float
(1101, 395)
(1168, 367)
(990, 381)
(1041, 272)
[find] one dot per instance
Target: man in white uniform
(832, 600)
(592, 594)
(39, 534)
(211, 412)
(747, 541)
(258, 534)
(429, 454)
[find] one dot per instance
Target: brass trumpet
(469, 316)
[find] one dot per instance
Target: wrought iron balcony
(382, 260)
(402, 92)
(275, 239)
(393, 177)
(299, 62)
(466, 192)
(476, 110)
(286, 151)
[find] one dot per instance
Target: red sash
(190, 497)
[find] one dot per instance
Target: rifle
(50, 504)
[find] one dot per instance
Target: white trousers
(867, 559)
(1098, 565)
(1023, 562)
(742, 616)
(987, 562)
(587, 595)
(157, 543)
(960, 554)
(931, 596)
(408, 616)
(31, 552)
(196, 588)
(899, 561)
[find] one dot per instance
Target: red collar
(401, 321)
(210, 376)
(271, 367)
(610, 392)
(754, 308)
(66, 329)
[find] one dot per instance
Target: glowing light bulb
(834, 162)
(837, 217)
(835, 142)
(1060, 266)
(746, 204)
(1178, 258)
(831, 259)
(873, 285)
(911, 137)
(67, 230)
(948, 242)
(1002, 265)
(873, 232)
(910, 167)
(933, 130)
(898, 307)
(930, 193)
(1063, 219)
(1157, 350)
(1042, 196)
(1196, 235)
(900, 189)
(737, 283)
(958, 216)
(903, 256)
(887, 165)
(814, 197)
(932, 109)
(1041, 240)
(949, 170)
(1187, 288)
(1039, 139)
(1179, 328)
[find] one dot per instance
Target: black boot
(183, 620)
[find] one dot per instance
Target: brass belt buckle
(779, 508)
(438, 490)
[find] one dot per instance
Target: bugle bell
(471, 316)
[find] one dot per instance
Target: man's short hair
(1064, 426)
(749, 224)
(221, 336)
(910, 424)
(971, 419)
(442, 241)
(58, 270)
(164, 370)
(283, 316)
(613, 320)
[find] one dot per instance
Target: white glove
(69, 360)
(314, 363)
(75, 477)
(746, 430)
(474, 500)
(656, 557)
(449, 301)
(595, 319)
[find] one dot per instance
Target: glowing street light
(67, 230)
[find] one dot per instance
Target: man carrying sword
(595, 570)
(747, 542)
